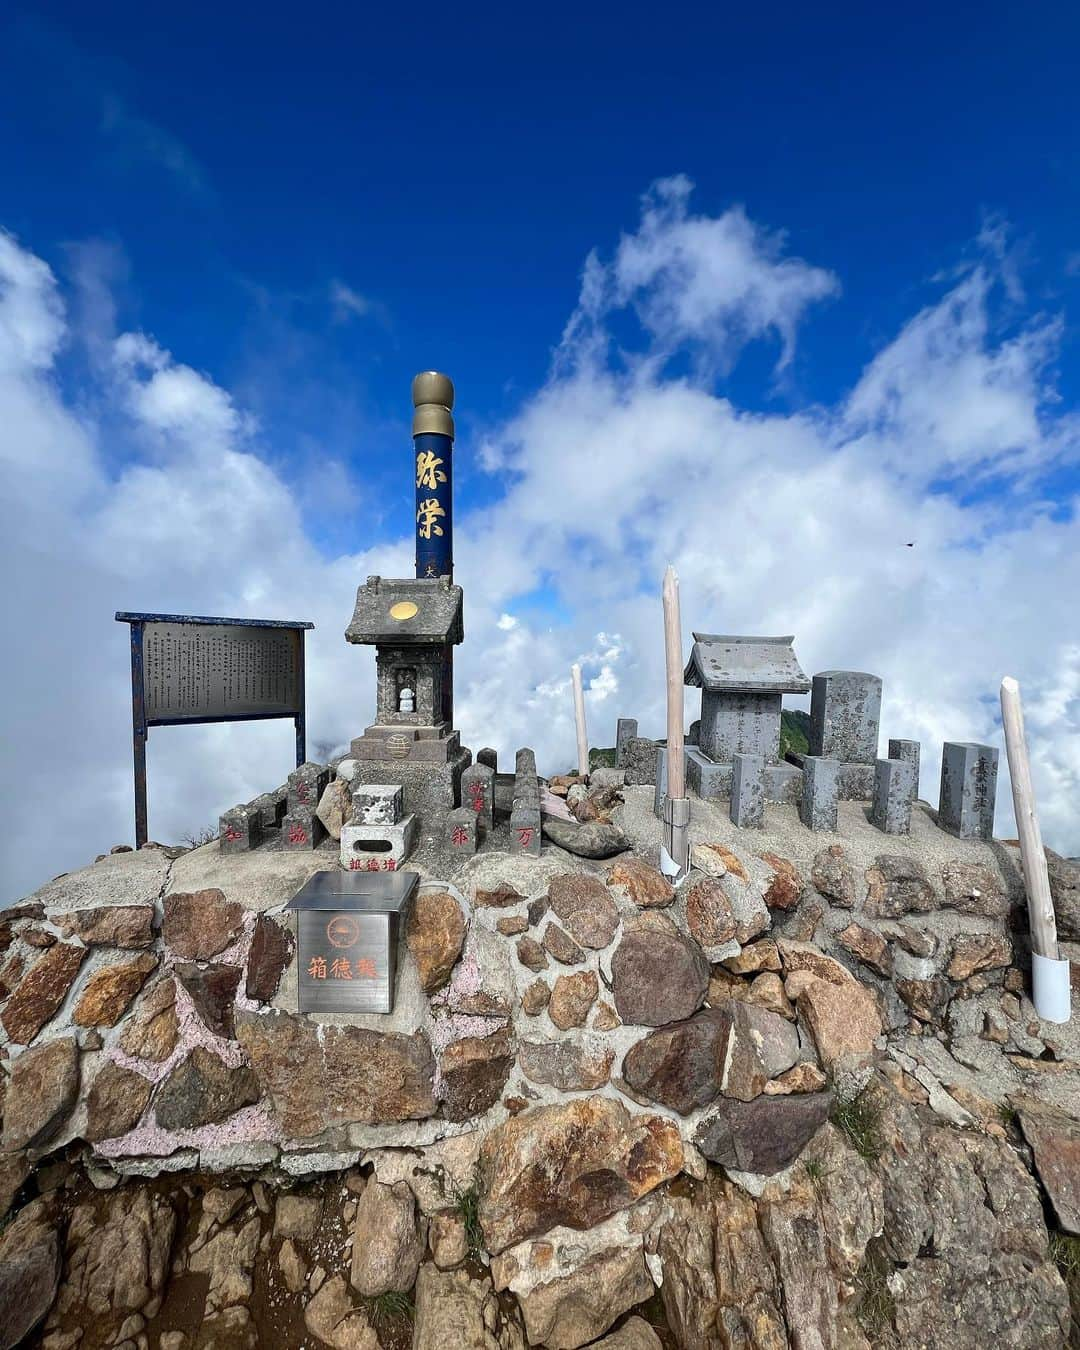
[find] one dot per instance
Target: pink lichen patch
(251, 1125)
(456, 1026)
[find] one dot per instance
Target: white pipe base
(1051, 993)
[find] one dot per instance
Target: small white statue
(406, 701)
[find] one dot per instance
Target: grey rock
(388, 1242)
(763, 1135)
(594, 839)
(202, 1091)
(658, 974)
(681, 1065)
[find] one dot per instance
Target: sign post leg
(138, 733)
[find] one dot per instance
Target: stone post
(845, 710)
(748, 791)
(660, 788)
(461, 832)
(478, 794)
(240, 829)
(910, 751)
(307, 785)
(625, 730)
(894, 791)
(968, 789)
(302, 829)
(489, 757)
(819, 796)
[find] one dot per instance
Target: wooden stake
(579, 715)
(1032, 855)
(676, 766)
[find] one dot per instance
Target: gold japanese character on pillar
(427, 516)
(429, 472)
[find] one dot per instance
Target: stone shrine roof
(765, 665)
(407, 612)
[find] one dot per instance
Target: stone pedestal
(783, 782)
(302, 829)
(817, 808)
(748, 792)
(461, 830)
(240, 830)
(968, 789)
(894, 791)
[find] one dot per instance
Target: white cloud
(776, 523)
(348, 303)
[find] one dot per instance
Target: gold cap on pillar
(433, 397)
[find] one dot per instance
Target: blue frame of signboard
(217, 658)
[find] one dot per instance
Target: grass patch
(815, 1170)
(876, 1308)
(1006, 1114)
(1065, 1254)
(391, 1307)
(860, 1121)
(467, 1204)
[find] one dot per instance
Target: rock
(575, 1308)
(332, 1317)
(898, 885)
(108, 992)
(634, 1334)
(681, 1066)
(297, 1216)
(115, 1102)
(868, 947)
(348, 1075)
(571, 999)
(762, 955)
(14, 1169)
(767, 991)
(763, 1135)
(1064, 876)
(511, 925)
(606, 1019)
(594, 839)
(335, 806)
(117, 1256)
(804, 956)
(973, 888)
(473, 1071)
(917, 941)
(709, 914)
(455, 1299)
(1055, 1141)
(925, 999)
(585, 906)
(387, 1240)
(201, 924)
(832, 875)
(658, 974)
(716, 861)
(761, 1038)
(978, 951)
(37, 937)
(435, 934)
(643, 884)
(41, 991)
(574, 1163)
(202, 1091)
(561, 945)
(212, 989)
(447, 1239)
(228, 1259)
(531, 955)
(109, 925)
(787, 886)
(482, 984)
(151, 1032)
(41, 1091)
(569, 1066)
(803, 1077)
(536, 910)
(270, 953)
(29, 1273)
(500, 897)
(535, 998)
(839, 1012)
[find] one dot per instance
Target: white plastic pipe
(1050, 976)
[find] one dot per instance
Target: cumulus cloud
(784, 522)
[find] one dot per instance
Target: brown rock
(681, 1066)
(763, 1135)
(898, 885)
(116, 1102)
(41, 1091)
(973, 888)
(762, 955)
(634, 1334)
(716, 860)
(38, 937)
(763, 1045)
(576, 1307)
(569, 1066)
(14, 1169)
(499, 898)
(1055, 1141)
(709, 914)
(585, 906)
(270, 953)
(531, 955)
(917, 941)
(643, 884)
(447, 1239)
(868, 947)
(474, 1071)
(109, 925)
(333, 1319)
(658, 974)
(535, 998)
(978, 951)
(388, 1243)
(798, 956)
(41, 991)
(926, 999)
(786, 888)
(11, 974)
(832, 875)
(335, 807)
(212, 989)
(510, 925)
(151, 1032)
(201, 924)
(767, 991)
(571, 999)
(29, 1273)
(574, 1164)
(435, 934)
(843, 1019)
(202, 1091)
(803, 924)
(109, 991)
(803, 1077)
(561, 946)
(606, 1019)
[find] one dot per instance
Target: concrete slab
(118, 879)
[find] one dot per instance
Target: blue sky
(233, 238)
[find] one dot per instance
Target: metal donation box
(348, 925)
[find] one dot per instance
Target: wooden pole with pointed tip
(676, 804)
(579, 719)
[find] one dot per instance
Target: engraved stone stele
(894, 791)
(817, 809)
(478, 794)
(748, 792)
(307, 785)
(240, 829)
(489, 757)
(625, 730)
(302, 829)
(742, 681)
(968, 789)
(909, 750)
(413, 626)
(461, 830)
(845, 711)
